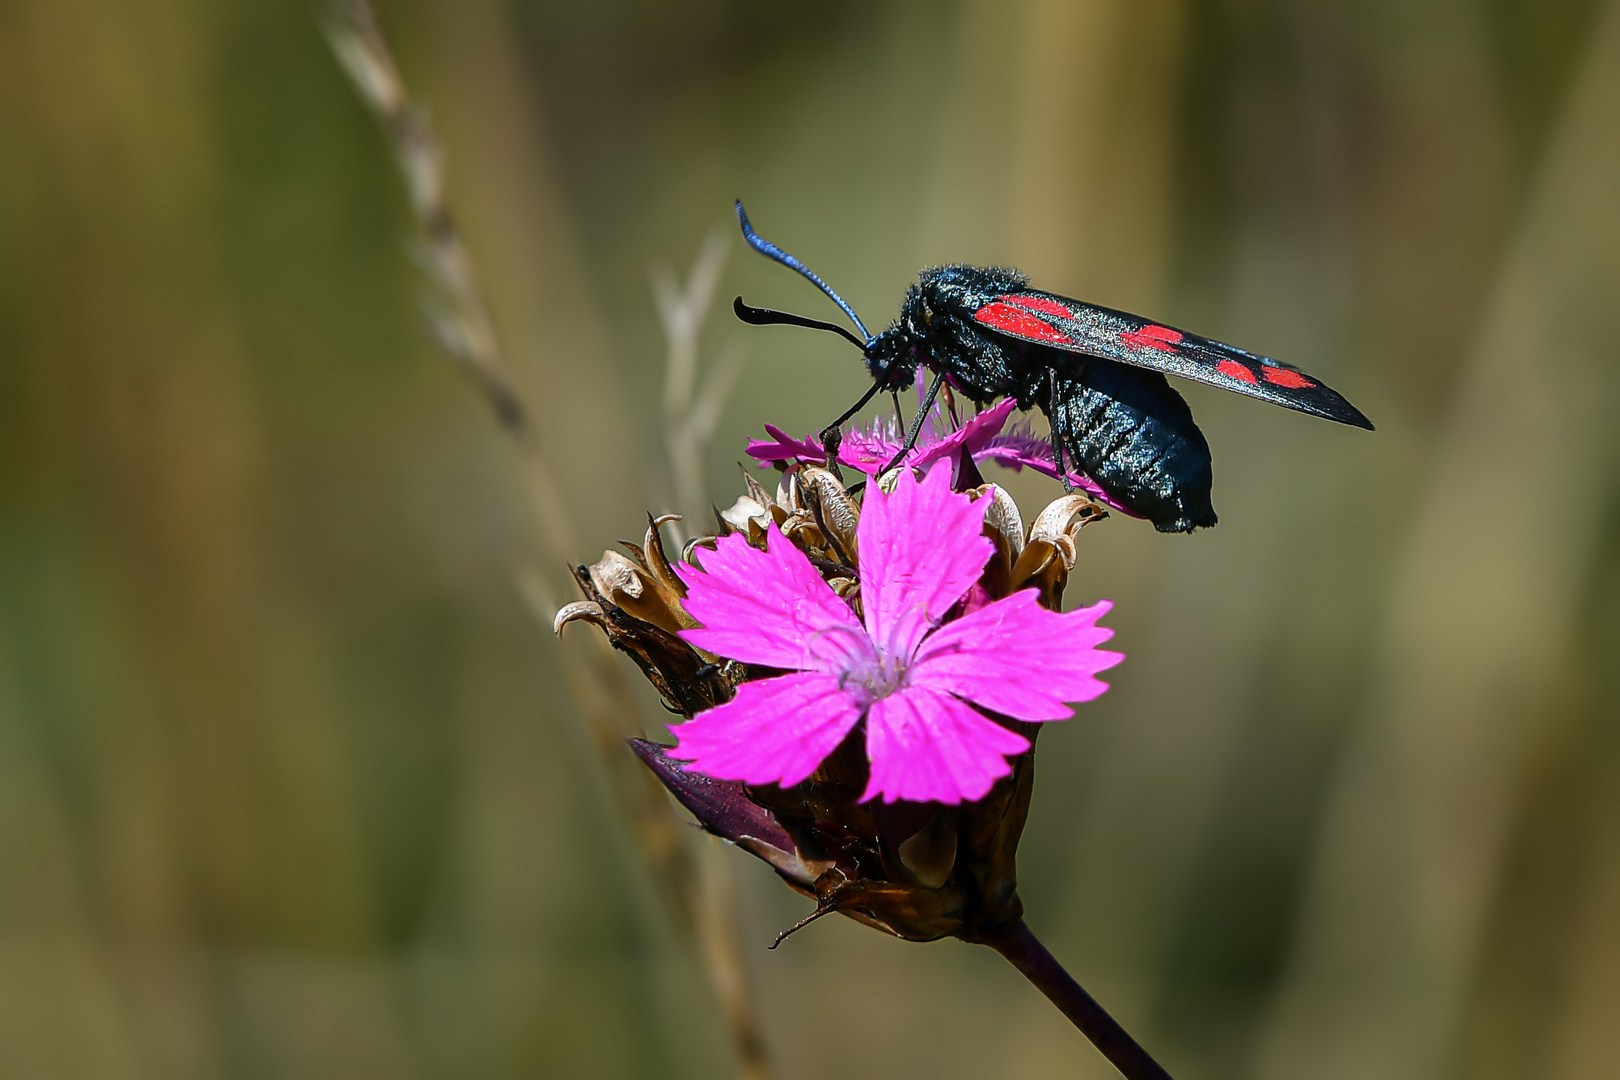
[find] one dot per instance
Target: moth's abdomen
(1134, 435)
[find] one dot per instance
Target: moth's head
(891, 358)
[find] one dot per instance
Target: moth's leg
(1057, 459)
(833, 434)
(917, 422)
(1059, 432)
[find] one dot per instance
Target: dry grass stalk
(697, 896)
(691, 410)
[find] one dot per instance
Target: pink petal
(921, 548)
(975, 434)
(1017, 450)
(1094, 489)
(775, 731)
(926, 746)
(1015, 658)
(770, 607)
(868, 450)
(871, 449)
(783, 447)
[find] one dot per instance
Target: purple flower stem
(1028, 955)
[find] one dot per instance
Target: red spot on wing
(1234, 370)
(1291, 380)
(1012, 320)
(1152, 337)
(1042, 305)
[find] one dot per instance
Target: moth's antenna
(771, 251)
(759, 316)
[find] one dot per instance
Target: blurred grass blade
(698, 901)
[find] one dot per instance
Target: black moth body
(1123, 426)
(1097, 374)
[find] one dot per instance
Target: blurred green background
(289, 786)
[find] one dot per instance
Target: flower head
(922, 680)
(810, 582)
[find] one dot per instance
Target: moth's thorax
(959, 290)
(941, 296)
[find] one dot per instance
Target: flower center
(876, 676)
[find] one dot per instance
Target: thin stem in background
(464, 328)
(691, 410)
(1025, 952)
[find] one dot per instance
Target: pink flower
(922, 684)
(869, 449)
